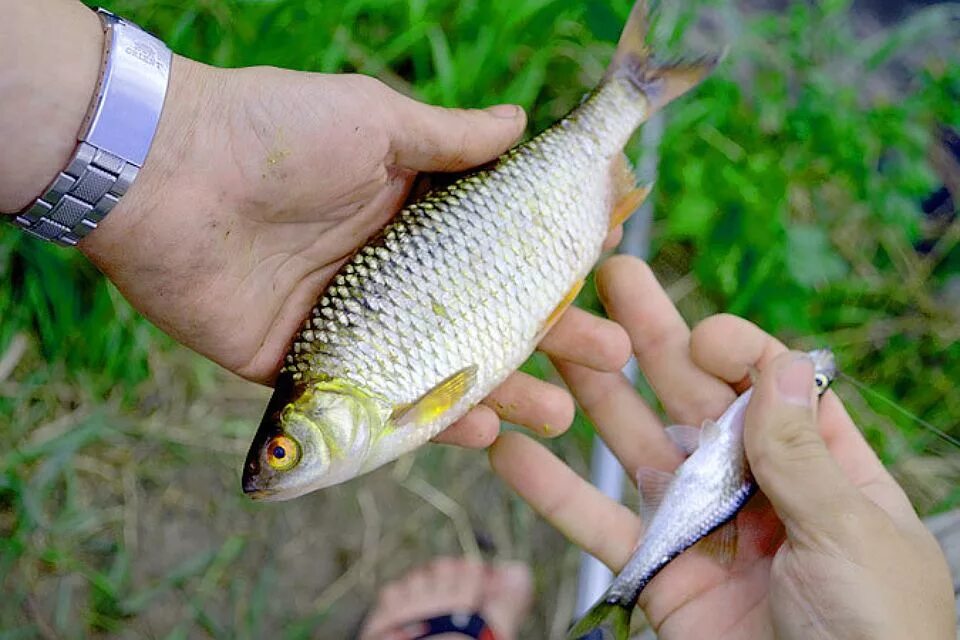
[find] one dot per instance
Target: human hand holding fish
(831, 548)
(282, 176)
(259, 183)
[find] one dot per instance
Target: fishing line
(943, 435)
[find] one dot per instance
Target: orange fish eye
(282, 453)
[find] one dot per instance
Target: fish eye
(282, 453)
(822, 382)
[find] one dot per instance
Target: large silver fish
(449, 299)
(700, 497)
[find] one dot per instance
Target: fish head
(824, 369)
(312, 436)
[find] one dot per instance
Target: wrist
(39, 125)
(165, 174)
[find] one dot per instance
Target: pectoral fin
(653, 485)
(437, 400)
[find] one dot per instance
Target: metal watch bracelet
(114, 139)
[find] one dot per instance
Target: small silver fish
(699, 498)
(440, 307)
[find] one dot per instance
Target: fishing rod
(606, 473)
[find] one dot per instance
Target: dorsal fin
(709, 431)
(687, 438)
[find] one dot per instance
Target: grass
(788, 193)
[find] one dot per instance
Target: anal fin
(629, 203)
(721, 543)
(627, 196)
(560, 308)
(437, 400)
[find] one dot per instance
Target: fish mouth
(259, 495)
(253, 490)
(252, 480)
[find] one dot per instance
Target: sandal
(468, 625)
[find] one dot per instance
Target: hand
(261, 182)
(831, 549)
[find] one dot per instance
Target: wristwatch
(114, 138)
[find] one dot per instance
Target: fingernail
(508, 111)
(795, 381)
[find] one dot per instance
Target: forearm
(51, 52)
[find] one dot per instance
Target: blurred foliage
(788, 192)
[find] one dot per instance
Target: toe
(507, 596)
(462, 580)
(445, 586)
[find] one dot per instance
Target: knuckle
(703, 329)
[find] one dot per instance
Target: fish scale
(453, 295)
(508, 318)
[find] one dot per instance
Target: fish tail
(610, 617)
(660, 82)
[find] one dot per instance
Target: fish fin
(709, 431)
(660, 83)
(653, 485)
(566, 302)
(687, 438)
(625, 207)
(437, 400)
(622, 178)
(627, 196)
(721, 543)
(611, 617)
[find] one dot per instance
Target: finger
(631, 430)
(476, 430)
(730, 348)
(588, 518)
(539, 406)
(661, 341)
(858, 460)
(429, 138)
(586, 339)
(790, 460)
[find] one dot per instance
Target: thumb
(790, 460)
(428, 138)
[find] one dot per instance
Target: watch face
(115, 137)
(125, 113)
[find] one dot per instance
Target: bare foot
(500, 594)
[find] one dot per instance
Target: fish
(697, 502)
(454, 294)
